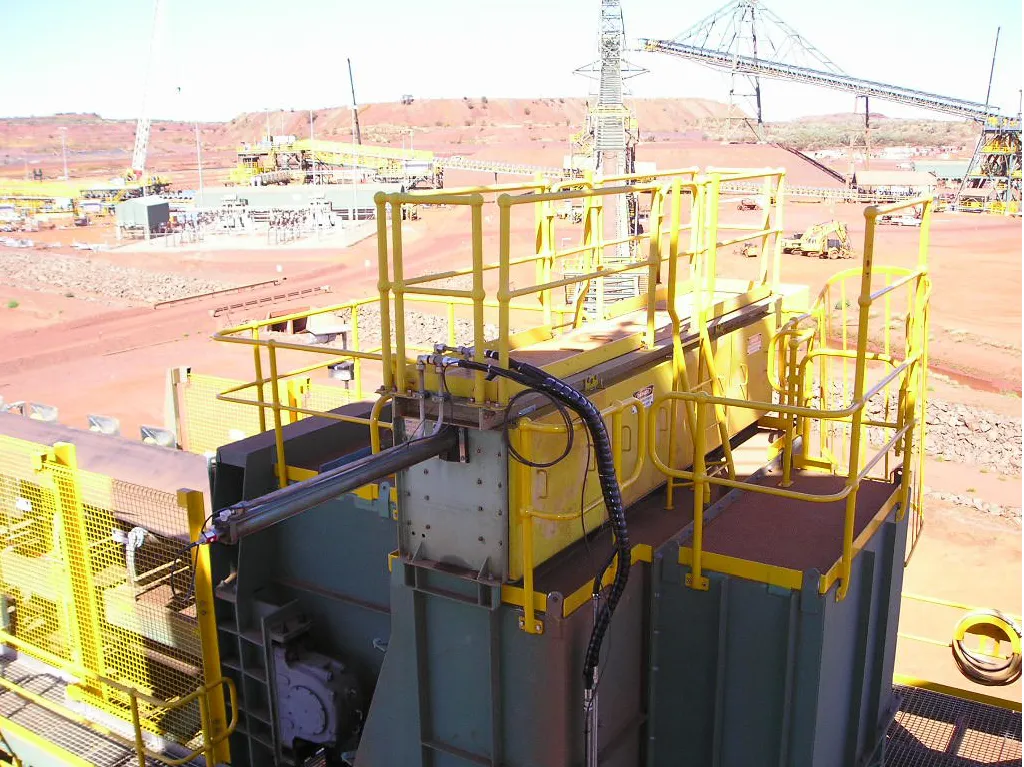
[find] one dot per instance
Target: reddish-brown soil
(97, 357)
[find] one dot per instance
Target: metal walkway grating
(77, 739)
(936, 730)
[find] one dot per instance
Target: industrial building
(142, 217)
(894, 183)
(347, 201)
(945, 171)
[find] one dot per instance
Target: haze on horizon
(221, 59)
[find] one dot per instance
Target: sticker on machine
(754, 344)
(645, 395)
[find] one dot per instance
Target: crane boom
(779, 71)
(141, 148)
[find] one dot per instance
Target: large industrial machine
(530, 534)
(827, 239)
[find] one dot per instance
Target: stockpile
(89, 280)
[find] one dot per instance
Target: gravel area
(90, 280)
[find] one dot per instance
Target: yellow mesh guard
(97, 574)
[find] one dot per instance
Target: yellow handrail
(137, 742)
(521, 480)
(909, 372)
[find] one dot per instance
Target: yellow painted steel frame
(974, 616)
(201, 695)
(87, 640)
(909, 374)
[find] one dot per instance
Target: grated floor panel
(77, 739)
(936, 730)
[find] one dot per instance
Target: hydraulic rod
(248, 517)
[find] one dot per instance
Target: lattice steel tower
(610, 135)
(750, 29)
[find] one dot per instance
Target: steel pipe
(249, 517)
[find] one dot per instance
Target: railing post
(695, 579)
(75, 548)
(140, 745)
(479, 296)
(211, 703)
(504, 290)
(357, 362)
(384, 289)
(654, 256)
(258, 365)
(398, 288)
(282, 466)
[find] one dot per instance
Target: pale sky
(230, 56)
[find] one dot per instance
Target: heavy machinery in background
(828, 239)
(289, 160)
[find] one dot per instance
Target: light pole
(312, 150)
(64, 150)
(199, 158)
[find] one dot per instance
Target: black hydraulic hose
(533, 377)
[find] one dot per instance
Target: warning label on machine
(645, 395)
(754, 344)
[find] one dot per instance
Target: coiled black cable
(510, 415)
(533, 377)
(980, 668)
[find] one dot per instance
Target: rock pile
(89, 280)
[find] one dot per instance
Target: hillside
(92, 133)
(99, 146)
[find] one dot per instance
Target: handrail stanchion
(479, 295)
(398, 288)
(701, 488)
(384, 289)
(275, 391)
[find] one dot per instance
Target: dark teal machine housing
(741, 675)
(751, 674)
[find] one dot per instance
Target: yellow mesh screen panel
(324, 397)
(210, 423)
(97, 573)
(33, 571)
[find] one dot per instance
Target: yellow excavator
(828, 239)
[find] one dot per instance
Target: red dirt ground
(96, 358)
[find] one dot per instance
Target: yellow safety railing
(796, 416)
(137, 742)
(89, 596)
(384, 367)
(666, 228)
(267, 391)
(521, 483)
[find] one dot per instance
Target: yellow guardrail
(137, 742)
(521, 482)
(88, 567)
(797, 416)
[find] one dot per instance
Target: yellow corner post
(86, 637)
(192, 502)
(384, 288)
